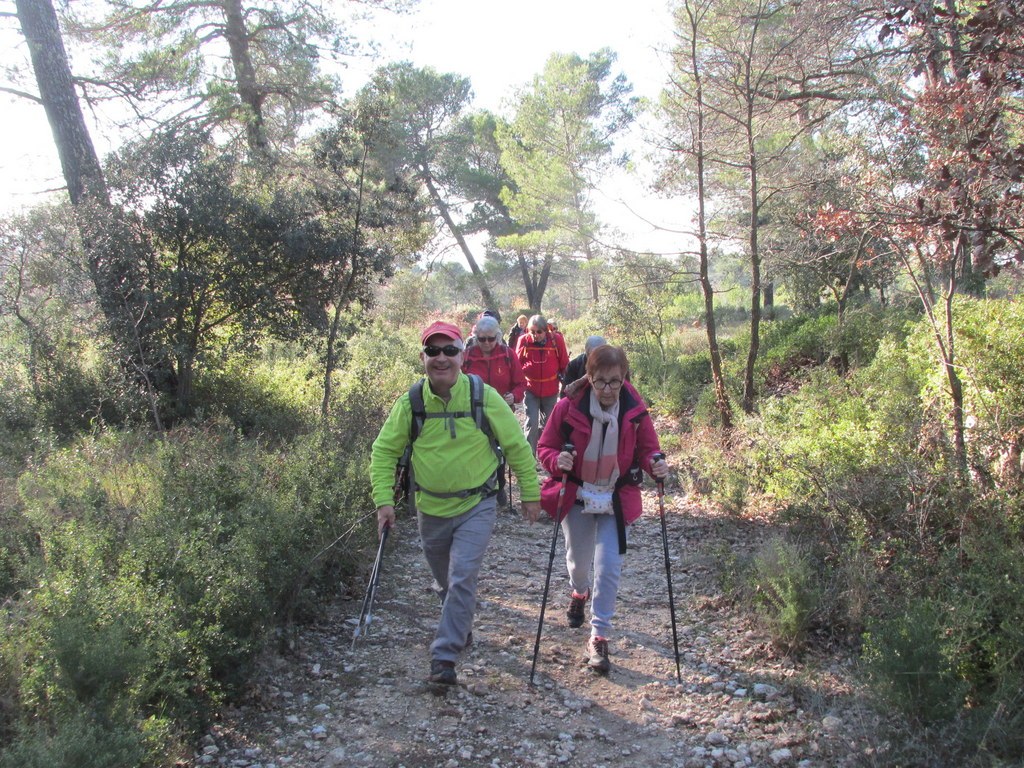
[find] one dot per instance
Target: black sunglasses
(450, 350)
(486, 338)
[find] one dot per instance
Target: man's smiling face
(442, 370)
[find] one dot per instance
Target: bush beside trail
(161, 566)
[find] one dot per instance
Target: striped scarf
(601, 457)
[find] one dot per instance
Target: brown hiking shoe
(443, 672)
(575, 612)
(597, 655)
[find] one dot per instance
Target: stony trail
(740, 703)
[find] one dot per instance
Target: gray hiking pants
(593, 561)
(454, 548)
(537, 411)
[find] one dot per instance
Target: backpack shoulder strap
(418, 410)
(476, 402)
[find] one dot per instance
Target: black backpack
(405, 482)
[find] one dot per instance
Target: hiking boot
(575, 612)
(443, 672)
(597, 655)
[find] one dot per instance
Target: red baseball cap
(441, 328)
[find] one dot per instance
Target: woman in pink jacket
(607, 422)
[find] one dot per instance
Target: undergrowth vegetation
(883, 543)
(144, 572)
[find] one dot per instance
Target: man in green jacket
(453, 466)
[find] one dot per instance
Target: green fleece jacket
(444, 461)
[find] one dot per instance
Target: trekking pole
(508, 487)
(567, 448)
(366, 612)
(668, 567)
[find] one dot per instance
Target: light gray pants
(537, 411)
(454, 548)
(592, 545)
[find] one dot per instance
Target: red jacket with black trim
(637, 442)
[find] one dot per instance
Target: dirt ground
(739, 702)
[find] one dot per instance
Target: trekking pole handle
(655, 457)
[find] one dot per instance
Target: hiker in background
(471, 341)
(557, 334)
(577, 367)
(494, 362)
(453, 467)
(544, 359)
(516, 331)
(614, 438)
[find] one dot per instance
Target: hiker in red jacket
(614, 441)
(544, 359)
(498, 366)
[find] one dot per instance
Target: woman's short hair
(521, 317)
(487, 325)
(539, 322)
(606, 356)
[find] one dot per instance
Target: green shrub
(380, 363)
(270, 398)
(910, 665)
(783, 587)
(78, 740)
(797, 341)
(718, 466)
(168, 564)
(990, 364)
(847, 447)
(986, 621)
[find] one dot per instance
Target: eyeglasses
(486, 338)
(536, 330)
(450, 350)
(602, 384)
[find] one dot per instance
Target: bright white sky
(499, 47)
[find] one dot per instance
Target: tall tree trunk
(722, 403)
(78, 159)
(768, 294)
(108, 244)
(588, 248)
(529, 280)
(478, 275)
(245, 79)
(755, 284)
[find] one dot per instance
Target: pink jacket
(570, 422)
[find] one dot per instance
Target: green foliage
(908, 660)
(846, 448)
(985, 621)
(782, 580)
(380, 363)
(719, 467)
(79, 740)
(990, 359)
(264, 397)
(166, 564)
